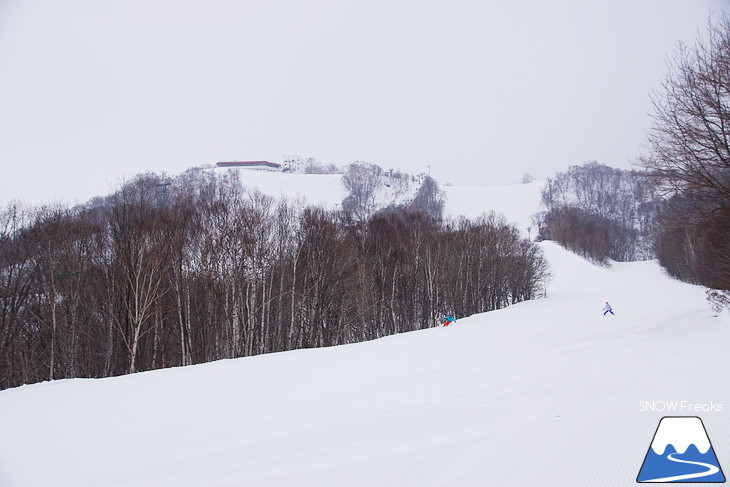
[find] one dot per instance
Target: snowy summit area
(517, 202)
(547, 392)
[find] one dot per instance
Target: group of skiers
(447, 320)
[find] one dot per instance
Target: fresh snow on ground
(517, 202)
(544, 393)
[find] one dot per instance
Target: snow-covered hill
(518, 202)
(314, 189)
(546, 392)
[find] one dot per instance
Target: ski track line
(712, 470)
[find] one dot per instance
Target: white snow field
(315, 189)
(544, 393)
(517, 202)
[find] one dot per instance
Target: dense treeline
(601, 212)
(692, 246)
(136, 281)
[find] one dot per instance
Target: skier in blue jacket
(448, 320)
(607, 309)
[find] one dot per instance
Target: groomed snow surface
(543, 393)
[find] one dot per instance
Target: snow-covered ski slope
(543, 393)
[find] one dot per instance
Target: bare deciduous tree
(361, 179)
(689, 138)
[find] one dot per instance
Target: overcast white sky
(483, 91)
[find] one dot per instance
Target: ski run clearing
(544, 393)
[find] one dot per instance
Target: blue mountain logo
(681, 452)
